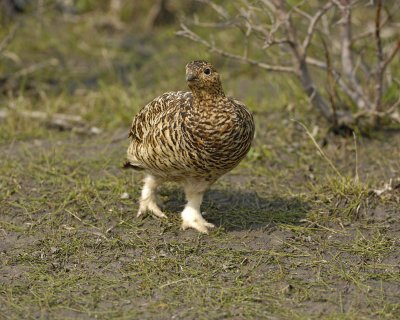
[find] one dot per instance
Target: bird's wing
(153, 113)
(156, 132)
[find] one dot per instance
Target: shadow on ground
(243, 210)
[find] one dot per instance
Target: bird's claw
(152, 208)
(200, 225)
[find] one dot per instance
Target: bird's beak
(190, 77)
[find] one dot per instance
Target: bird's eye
(207, 71)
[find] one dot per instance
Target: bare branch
(361, 63)
(57, 120)
(316, 63)
(391, 55)
(187, 33)
(330, 81)
(219, 9)
(302, 13)
(394, 107)
(309, 87)
(379, 54)
(214, 25)
(391, 113)
(346, 53)
(9, 37)
(313, 24)
(345, 37)
(285, 21)
(352, 94)
(370, 31)
(284, 27)
(299, 61)
(33, 68)
(273, 42)
(270, 6)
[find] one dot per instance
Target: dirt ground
(70, 247)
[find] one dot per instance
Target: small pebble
(95, 130)
(125, 195)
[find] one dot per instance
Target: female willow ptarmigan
(191, 138)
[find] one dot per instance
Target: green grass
(293, 240)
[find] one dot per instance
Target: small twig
(322, 153)
(246, 40)
(360, 64)
(282, 24)
(356, 178)
(57, 120)
(187, 33)
(352, 94)
(96, 233)
(330, 81)
(217, 8)
(75, 216)
(379, 54)
(370, 31)
(320, 226)
(33, 68)
(290, 30)
(59, 117)
(9, 37)
(174, 282)
(394, 106)
(346, 53)
(313, 23)
(302, 13)
(213, 25)
(345, 22)
(299, 63)
(269, 42)
(391, 55)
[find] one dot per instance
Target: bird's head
(203, 78)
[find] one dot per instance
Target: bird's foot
(151, 207)
(193, 219)
(200, 225)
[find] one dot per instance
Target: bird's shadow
(244, 210)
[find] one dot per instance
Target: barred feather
(200, 134)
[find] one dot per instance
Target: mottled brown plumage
(191, 138)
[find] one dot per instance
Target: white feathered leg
(148, 199)
(191, 215)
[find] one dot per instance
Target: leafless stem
(302, 13)
(299, 59)
(219, 9)
(330, 82)
(57, 120)
(277, 22)
(321, 152)
(370, 31)
(360, 98)
(345, 31)
(9, 37)
(379, 55)
(352, 94)
(314, 95)
(33, 68)
(187, 33)
(313, 23)
(391, 56)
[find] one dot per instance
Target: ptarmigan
(191, 138)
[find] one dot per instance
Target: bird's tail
(128, 165)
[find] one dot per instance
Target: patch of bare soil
(70, 244)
